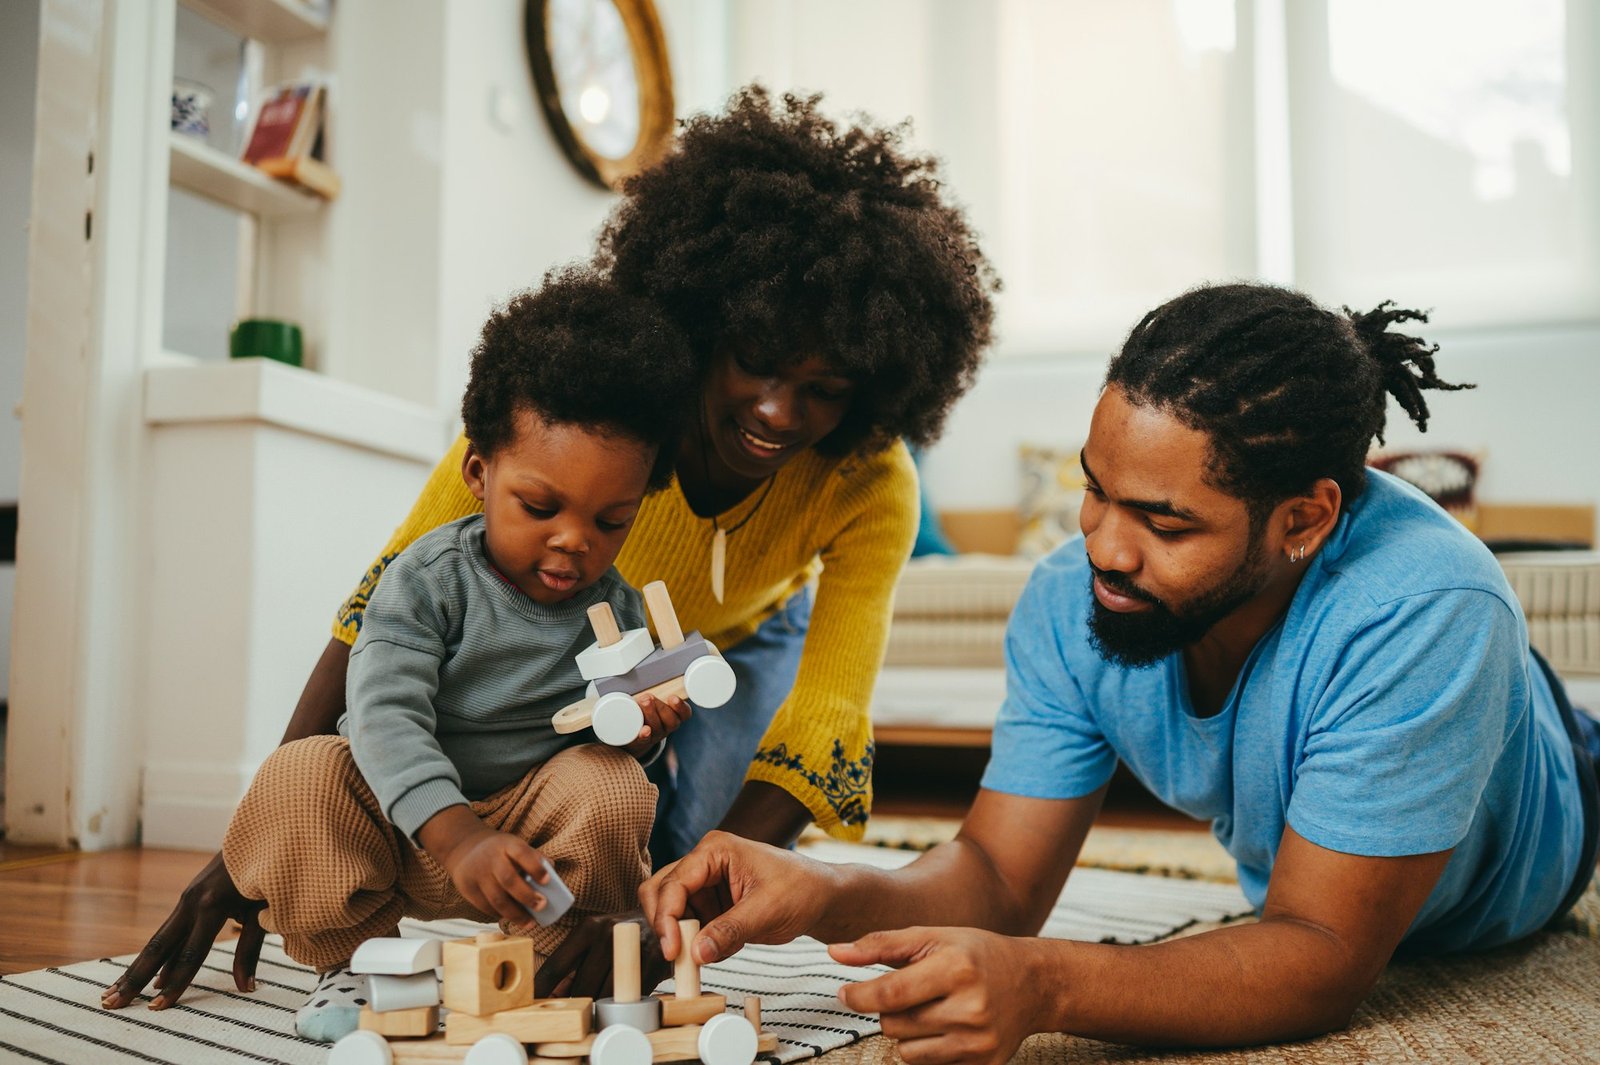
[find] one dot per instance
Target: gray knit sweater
(456, 674)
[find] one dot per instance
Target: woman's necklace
(719, 535)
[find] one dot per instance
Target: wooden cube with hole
(488, 973)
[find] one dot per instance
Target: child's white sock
(334, 1009)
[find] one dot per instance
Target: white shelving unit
(269, 21)
(202, 169)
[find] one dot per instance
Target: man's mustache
(1122, 585)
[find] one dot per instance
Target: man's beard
(1141, 639)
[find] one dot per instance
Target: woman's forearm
(322, 701)
(766, 813)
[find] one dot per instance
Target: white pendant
(719, 559)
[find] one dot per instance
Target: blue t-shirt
(1393, 710)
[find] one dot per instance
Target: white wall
(19, 47)
(1532, 415)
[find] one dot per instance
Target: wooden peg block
(668, 632)
(488, 974)
(752, 1011)
(604, 623)
(686, 971)
(676, 1011)
(401, 1024)
(625, 962)
(549, 1019)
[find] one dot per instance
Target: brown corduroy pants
(311, 840)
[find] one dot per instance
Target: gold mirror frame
(653, 74)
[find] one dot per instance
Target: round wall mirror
(604, 82)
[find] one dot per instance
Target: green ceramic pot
(266, 338)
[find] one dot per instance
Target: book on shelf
(285, 138)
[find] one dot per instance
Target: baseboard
(187, 807)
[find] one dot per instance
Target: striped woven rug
(53, 1015)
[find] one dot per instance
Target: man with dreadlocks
(1309, 654)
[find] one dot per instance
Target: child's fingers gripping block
(557, 896)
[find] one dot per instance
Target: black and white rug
(54, 1015)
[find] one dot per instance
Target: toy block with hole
(417, 1022)
(393, 956)
(613, 650)
(488, 973)
(386, 994)
(548, 1019)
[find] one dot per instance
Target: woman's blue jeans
(714, 748)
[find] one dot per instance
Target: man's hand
(179, 947)
(581, 966)
(662, 717)
(960, 994)
(742, 892)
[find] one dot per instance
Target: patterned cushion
(1052, 495)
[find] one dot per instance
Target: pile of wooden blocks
(493, 1018)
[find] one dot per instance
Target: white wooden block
(617, 719)
(396, 957)
(387, 993)
(621, 1045)
(361, 1047)
(727, 1040)
(496, 1049)
(634, 647)
(709, 681)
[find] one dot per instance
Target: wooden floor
(58, 907)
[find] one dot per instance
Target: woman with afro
(838, 306)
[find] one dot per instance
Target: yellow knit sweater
(852, 519)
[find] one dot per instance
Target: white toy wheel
(617, 719)
(709, 681)
(727, 1039)
(361, 1047)
(496, 1049)
(621, 1045)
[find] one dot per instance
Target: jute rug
(1535, 1001)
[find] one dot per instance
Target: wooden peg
(659, 603)
(752, 1011)
(604, 622)
(686, 971)
(625, 962)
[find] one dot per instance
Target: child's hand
(487, 867)
(662, 717)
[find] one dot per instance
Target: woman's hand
(742, 892)
(581, 967)
(960, 994)
(179, 947)
(662, 717)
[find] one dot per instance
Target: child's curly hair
(772, 226)
(577, 351)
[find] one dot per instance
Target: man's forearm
(1255, 983)
(952, 885)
